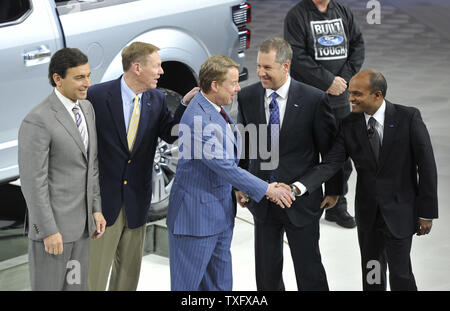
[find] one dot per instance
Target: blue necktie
(274, 128)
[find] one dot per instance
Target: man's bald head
(367, 91)
(376, 80)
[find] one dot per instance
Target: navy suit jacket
(201, 202)
(126, 177)
(307, 131)
(402, 185)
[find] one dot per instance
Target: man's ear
(287, 65)
(136, 68)
(379, 95)
(214, 86)
(57, 79)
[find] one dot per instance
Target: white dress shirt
(69, 105)
(128, 102)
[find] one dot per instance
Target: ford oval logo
(330, 40)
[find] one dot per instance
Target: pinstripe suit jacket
(201, 201)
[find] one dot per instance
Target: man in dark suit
(202, 206)
(396, 190)
(306, 128)
(59, 177)
(131, 116)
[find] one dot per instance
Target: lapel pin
(148, 104)
(391, 125)
(295, 105)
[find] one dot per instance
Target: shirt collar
(378, 115)
(214, 105)
(127, 93)
(282, 91)
(68, 103)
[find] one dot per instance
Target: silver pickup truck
(187, 32)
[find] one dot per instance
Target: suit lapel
(115, 105)
(293, 104)
(216, 118)
(235, 136)
(63, 117)
(89, 123)
(389, 131)
(259, 106)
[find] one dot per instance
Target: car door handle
(37, 57)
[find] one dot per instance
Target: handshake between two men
(284, 195)
(279, 193)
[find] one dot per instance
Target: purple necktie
(81, 125)
(273, 128)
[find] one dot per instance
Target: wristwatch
(294, 193)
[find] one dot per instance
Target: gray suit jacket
(59, 179)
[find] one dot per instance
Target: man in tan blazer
(59, 177)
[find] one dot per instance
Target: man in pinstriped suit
(202, 206)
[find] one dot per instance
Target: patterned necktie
(274, 128)
(374, 138)
(134, 124)
(223, 113)
(81, 125)
(274, 122)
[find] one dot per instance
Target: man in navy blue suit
(306, 131)
(131, 116)
(202, 205)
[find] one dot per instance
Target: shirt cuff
(300, 187)
(181, 102)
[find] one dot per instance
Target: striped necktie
(224, 114)
(81, 125)
(134, 124)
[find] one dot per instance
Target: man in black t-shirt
(328, 50)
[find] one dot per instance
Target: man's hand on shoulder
(187, 98)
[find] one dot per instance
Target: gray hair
(281, 47)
